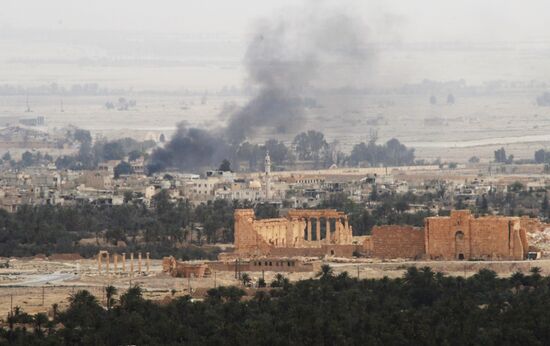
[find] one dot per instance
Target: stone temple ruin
(460, 236)
(300, 233)
(317, 233)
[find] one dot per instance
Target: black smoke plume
(189, 149)
(289, 59)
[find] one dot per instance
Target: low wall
(324, 250)
(286, 265)
(398, 242)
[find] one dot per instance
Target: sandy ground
(35, 285)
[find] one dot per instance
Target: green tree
(309, 145)
(261, 282)
(325, 272)
(40, 319)
(27, 159)
(544, 206)
(474, 159)
(245, 279)
(110, 292)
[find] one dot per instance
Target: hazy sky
(422, 20)
(72, 30)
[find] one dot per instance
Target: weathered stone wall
(247, 239)
(267, 264)
(462, 236)
(324, 250)
(441, 234)
(494, 238)
(397, 242)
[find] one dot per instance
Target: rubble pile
(540, 240)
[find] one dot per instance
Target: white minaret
(267, 171)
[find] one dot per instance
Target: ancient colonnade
(340, 220)
(105, 254)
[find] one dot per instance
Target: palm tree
(535, 270)
(279, 280)
(343, 275)
(535, 276)
(39, 320)
(261, 282)
(245, 278)
(82, 297)
(110, 292)
(132, 298)
(517, 279)
(325, 272)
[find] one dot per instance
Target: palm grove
(421, 308)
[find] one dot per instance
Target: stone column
(115, 263)
(131, 264)
(107, 263)
(309, 237)
(318, 230)
(99, 262)
(124, 262)
(139, 262)
(147, 262)
(338, 230)
(346, 230)
(327, 237)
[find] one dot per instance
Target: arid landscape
(36, 284)
(274, 173)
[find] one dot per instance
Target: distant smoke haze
(289, 57)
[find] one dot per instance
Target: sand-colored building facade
(461, 236)
(300, 233)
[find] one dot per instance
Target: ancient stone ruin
(460, 236)
(317, 233)
(184, 269)
(104, 255)
(300, 233)
(463, 236)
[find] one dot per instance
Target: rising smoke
(290, 58)
(190, 149)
